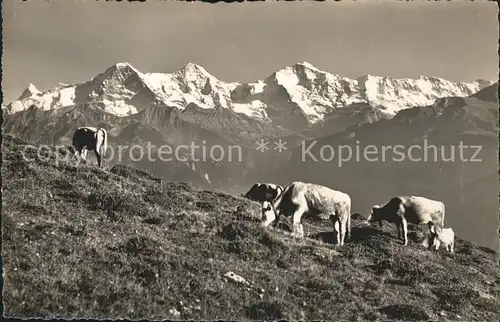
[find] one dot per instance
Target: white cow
(445, 236)
(89, 138)
(402, 210)
(299, 198)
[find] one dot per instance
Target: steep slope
(294, 97)
(418, 152)
(125, 244)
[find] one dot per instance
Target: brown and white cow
(402, 210)
(264, 192)
(89, 138)
(299, 198)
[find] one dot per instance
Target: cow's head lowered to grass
(375, 216)
(268, 213)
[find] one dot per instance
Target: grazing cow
(445, 236)
(264, 192)
(299, 198)
(89, 138)
(402, 210)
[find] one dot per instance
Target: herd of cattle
(299, 198)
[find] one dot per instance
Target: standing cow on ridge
(299, 198)
(89, 138)
(402, 210)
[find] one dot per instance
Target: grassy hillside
(120, 243)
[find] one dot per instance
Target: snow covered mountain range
(294, 97)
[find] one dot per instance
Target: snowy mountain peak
(307, 65)
(193, 71)
(32, 88)
(119, 71)
(192, 67)
(29, 91)
(123, 65)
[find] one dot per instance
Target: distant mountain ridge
(294, 97)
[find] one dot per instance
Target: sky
(46, 42)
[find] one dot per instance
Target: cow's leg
(349, 225)
(337, 231)
(277, 221)
(451, 247)
(336, 227)
(342, 232)
(298, 229)
(405, 230)
(398, 227)
(98, 157)
(78, 153)
(432, 241)
(402, 223)
(84, 154)
(77, 149)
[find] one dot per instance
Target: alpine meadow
(260, 161)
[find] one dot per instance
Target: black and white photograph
(261, 160)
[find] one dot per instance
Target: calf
(299, 198)
(89, 138)
(402, 210)
(445, 236)
(264, 192)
